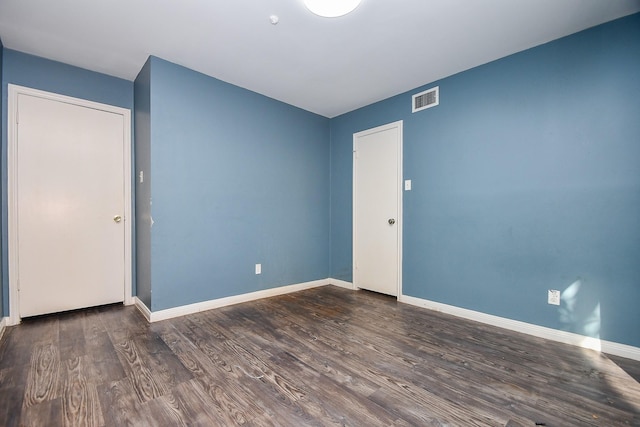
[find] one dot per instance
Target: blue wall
(238, 179)
(2, 190)
(38, 73)
(525, 178)
(142, 124)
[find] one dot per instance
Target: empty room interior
(273, 213)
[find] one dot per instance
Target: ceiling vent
(427, 99)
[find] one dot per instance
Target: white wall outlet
(258, 268)
(554, 297)
(407, 185)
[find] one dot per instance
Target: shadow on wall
(580, 313)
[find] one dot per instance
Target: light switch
(407, 185)
(141, 177)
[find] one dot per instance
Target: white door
(377, 202)
(70, 206)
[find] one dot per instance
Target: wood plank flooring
(325, 356)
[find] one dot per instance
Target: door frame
(398, 124)
(12, 188)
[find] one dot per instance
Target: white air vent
(427, 99)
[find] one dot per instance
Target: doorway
(377, 209)
(69, 185)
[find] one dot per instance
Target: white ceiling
(325, 65)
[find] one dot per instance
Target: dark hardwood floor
(325, 356)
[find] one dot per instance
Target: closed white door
(377, 205)
(70, 201)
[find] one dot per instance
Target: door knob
(392, 221)
(117, 218)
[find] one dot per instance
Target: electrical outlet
(554, 297)
(258, 268)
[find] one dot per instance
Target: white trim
(3, 324)
(142, 307)
(400, 219)
(341, 284)
(169, 313)
(12, 163)
(571, 338)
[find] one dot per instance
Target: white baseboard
(341, 283)
(142, 307)
(609, 347)
(3, 324)
(156, 316)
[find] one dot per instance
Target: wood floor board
(310, 353)
(14, 377)
(575, 379)
(393, 354)
(43, 376)
(187, 405)
(252, 344)
(253, 366)
(40, 328)
(349, 375)
(11, 407)
(233, 410)
(92, 323)
(121, 407)
(437, 412)
(389, 354)
(71, 334)
(33, 331)
(629, 367)
(145, 384)
(467, 352)
(378, 329)
(444, 393)
(325, 356)
(224, 377)
(102, 359)
(365, 384)
(320, 388)
(45, 414)
(123, 323)
(80, 401)
(162, 362)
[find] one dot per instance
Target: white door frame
(12, 188)
(399, 220)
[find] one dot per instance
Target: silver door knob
(392, 221)
(117, 218)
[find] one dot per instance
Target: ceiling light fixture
(331, 8)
